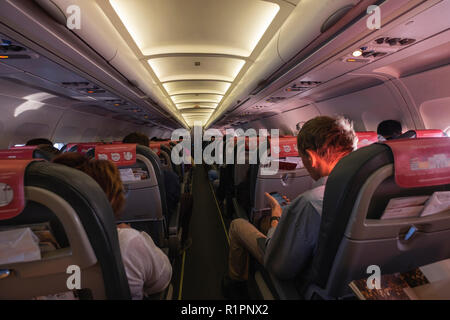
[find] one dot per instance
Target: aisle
(205, 261)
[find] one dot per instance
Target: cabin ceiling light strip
(199, 105)
(208, 43)
(185, 87)
(232, 27)
(185, 68)
(208, 98)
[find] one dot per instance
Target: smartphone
(279, 198)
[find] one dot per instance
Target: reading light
(357, 53)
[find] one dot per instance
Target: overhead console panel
(303, 26)
(59, 86)
(99, 32)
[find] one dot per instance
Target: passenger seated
(171, 184)
(49, 150)
(291, 240)
(171, 180)
(389, 130)
(148, 269)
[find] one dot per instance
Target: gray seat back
(83, 223)
(352, 237)
(145, 206)
(290, 183)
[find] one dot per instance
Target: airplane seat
(164, 157)
(410, 134)
(291, 179)
(225, 190)
(366, 138)
(43, 154)
(430, 133)
(86, 148)
(172, 224)
(290, 183)
(427, 133)
(352, 236)
(27, 152)
(170, 165)
(145, 207)
(82, 221)
(240, 182)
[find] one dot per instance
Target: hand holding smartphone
(282, 201)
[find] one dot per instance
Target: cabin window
(59, 145)
(436, 114)
(447, 131)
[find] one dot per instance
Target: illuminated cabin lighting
(175, 69)
(4, 57)
(357, 53)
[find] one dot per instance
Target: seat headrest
(351, 173)
(81, 147)
(342, 188)
(155, 147)
(287, 147)
(27, 152)
(366, 138)
(12, 194)
(421, 162)
(18, 153)
(430, 133)
(120, 154)
(411, 134)
(93, 209)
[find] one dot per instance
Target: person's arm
(276, 213)
(157, 270)
(292, 240)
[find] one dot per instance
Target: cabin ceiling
(197, 50)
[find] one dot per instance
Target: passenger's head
(72, 159)
(104, 172)
(323, 141)
(137, 137)
(389, 129)
(39, 141)
(49, 150)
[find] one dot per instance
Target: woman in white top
(148, 269)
